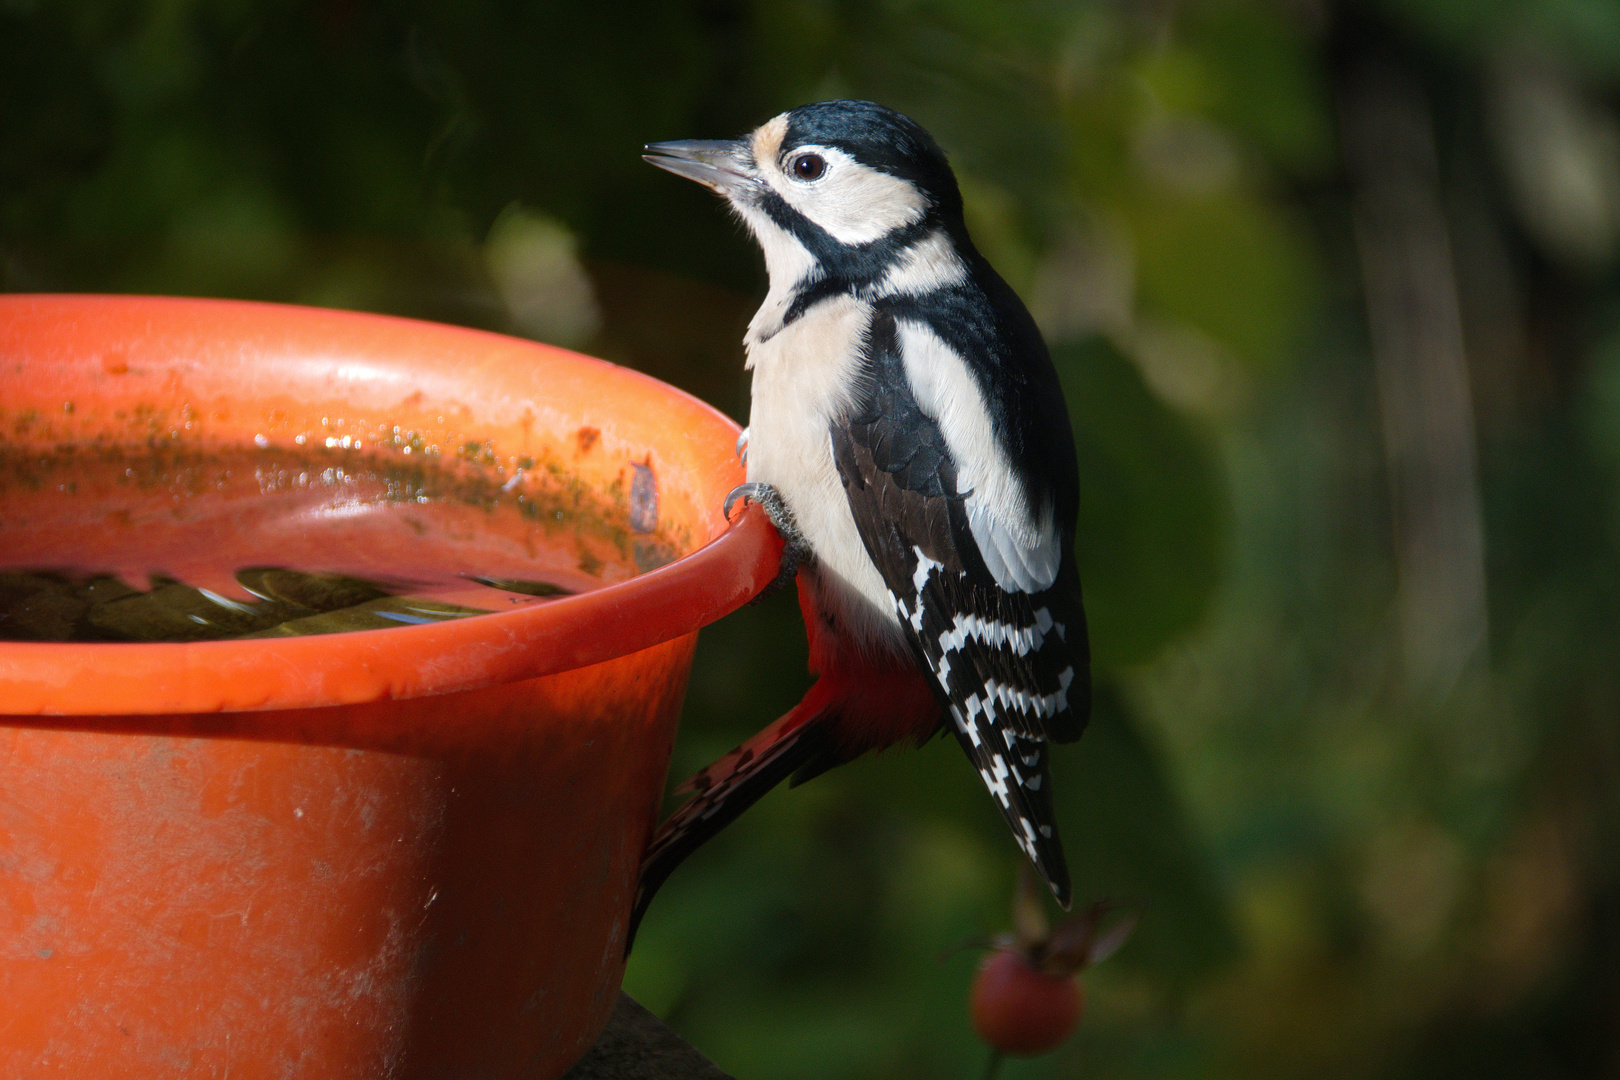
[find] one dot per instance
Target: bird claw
(795, 549)
(742, 446)
(750, 492)
(771, 502)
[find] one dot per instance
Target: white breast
(802, 377)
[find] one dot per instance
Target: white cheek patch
(1021, 551)
(854, 203)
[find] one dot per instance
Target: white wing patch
(1021, 552)
(1015, 563)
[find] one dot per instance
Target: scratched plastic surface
(404, 852)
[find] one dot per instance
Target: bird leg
(795, 548)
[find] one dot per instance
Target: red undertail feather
(858, 703)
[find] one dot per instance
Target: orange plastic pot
(402, 853)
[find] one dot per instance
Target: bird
(909, 439)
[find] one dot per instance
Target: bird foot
(795, 549)
(742, 446)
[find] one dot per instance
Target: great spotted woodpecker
(909, 438)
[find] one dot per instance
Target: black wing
(1011, 668)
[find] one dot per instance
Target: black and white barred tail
(1008, 679)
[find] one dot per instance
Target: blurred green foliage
(1365, 796)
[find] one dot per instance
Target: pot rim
(733, 564)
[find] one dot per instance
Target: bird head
(825, 185)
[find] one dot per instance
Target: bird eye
(809, 166)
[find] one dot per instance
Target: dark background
(1332, 288)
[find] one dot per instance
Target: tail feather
(1017, 770)
(859, 702)
(718, 773)
(728, 787)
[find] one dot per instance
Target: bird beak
(721, 165)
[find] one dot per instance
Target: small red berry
(1019, 1009)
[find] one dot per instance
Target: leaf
(1234, 267)
(1029, 909)
(1109, 942)
(1152, 513)
(1130, 837)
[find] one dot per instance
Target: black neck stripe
(839, 268)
